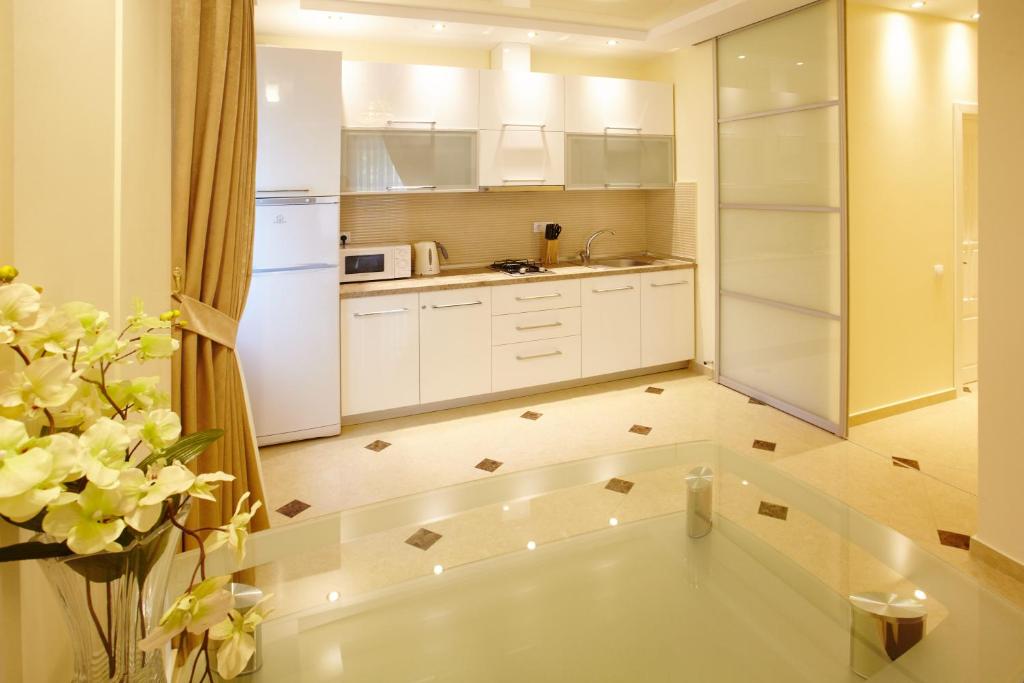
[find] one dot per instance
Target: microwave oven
(375, 262)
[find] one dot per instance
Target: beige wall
(6, 129)
(904, 72)
(692, 71)
(1001, 458)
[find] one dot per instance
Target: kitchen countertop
(460, 278)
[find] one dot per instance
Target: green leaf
(185, 449)
(33, 550)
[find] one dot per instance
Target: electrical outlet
(345, 238)
(540, 227)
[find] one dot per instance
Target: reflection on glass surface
(374, 160)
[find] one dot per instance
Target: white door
(595, 104)
(521, 157)
(967, 276)
(298, 144)
(295, 231)
(611, 324)
(415, 96)
(666, 304)
(380, 358)
(455, 344)
(520, 100)
(290, 315)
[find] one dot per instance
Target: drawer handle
(540, 355)
(406, 188)
(524, 180)
(537, 327)
(632, 128)
(542, 126)
(467, 303)
(388, 312)
(623, 184)
(613, 289)
(539, 296)
(669, 284)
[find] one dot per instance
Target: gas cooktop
(519, 267)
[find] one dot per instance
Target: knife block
(550, 257)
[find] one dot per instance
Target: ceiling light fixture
(438, 569)
(531, 34)
(613, 521)
(917, 5)
(799, 63)
(333, 596)
(976, 16)
(741, 57)
(438, 26)
(613, 42)
(531, 545)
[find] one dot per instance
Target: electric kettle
(426, 261)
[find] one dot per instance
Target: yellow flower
(105, 446)
(236, 531)
(236, 634)
(196, 610)
(156, 346)
(90, 524)
(161, 429)
(45, 383)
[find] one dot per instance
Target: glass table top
(584, 571)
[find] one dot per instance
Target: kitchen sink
(622, 262)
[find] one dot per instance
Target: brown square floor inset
(423, 539)
(488, 465)
(377, 446)
(909, 463)
(293, 508)
(619, 485)
(640, 429)
(773, 510)
(756, 401)
(531, 415)
(764, 445)
(654, 390)
(954, 539)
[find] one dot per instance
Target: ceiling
(636, 27)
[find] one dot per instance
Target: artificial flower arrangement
(94, 462)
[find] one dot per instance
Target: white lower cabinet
(455, 344)
(534, 363)
(380, 356)
(666, 317)
(611, 324)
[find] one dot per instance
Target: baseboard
(995, 559)
(420, 408)
(898, 407)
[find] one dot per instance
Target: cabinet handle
(537, 327)
(539, 296)
(613, 289)
(540, 355)
(413, 123)
(467, 303)
(524, 180)
(392, 188)
(542, 126)
(388, 312)
(623, 184)
(632, 128)
(669, 284)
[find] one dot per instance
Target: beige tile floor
(438, 449)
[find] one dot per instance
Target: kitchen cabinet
(510, 158)
(379, 161)
(619, 162)
(610, 324)
(666, 317)
(515, 328)
(380, 358)
(299, 110)
(536, 296)
(536, 363)
(521, 100)
(409, 96)
(455, 344)
(602, 105)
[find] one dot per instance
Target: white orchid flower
(92, 319)
(204, 485)
(58, 459)
(156, 346)
(236, 531)
(148, 494)
(141, 392)
(196, 610)
(19, 307)
(238, 644)
(105, 446)
(57, 335)
(45, 383)
(90, 524)
(160, 429)
(105, 347)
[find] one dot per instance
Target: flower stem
(99, 627)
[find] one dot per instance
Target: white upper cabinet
(521, 100)
(413, 96)
(596, 104)
(521, 157)
(299, 112)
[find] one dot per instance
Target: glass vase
(111, 601)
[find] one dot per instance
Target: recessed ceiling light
(613, 42)
(917, 5)
(438, 569)
(613, 521)
(799, 63)
(741, 57)
(333, 596)
(531, 34)
(438, 26)
(531, 545)
(976, 16)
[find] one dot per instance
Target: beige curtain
(214, 165)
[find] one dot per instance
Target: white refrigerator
(288, 335)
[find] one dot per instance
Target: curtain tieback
(205, 320)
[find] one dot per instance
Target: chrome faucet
(585, 254)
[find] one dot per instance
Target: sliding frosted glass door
(781, 219)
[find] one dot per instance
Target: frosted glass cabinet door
(408, 161)
(521, 100)
(521, 157)
(413, 96)
(619, 161)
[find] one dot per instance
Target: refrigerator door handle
(289, 269)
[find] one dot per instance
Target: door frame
(960, 109)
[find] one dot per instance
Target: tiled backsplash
(478, 228)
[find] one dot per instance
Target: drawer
(523, 327)
(534, 363)
(536, 296)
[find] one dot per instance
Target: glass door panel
(658, 161)
(584, 161)
(404, 161)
